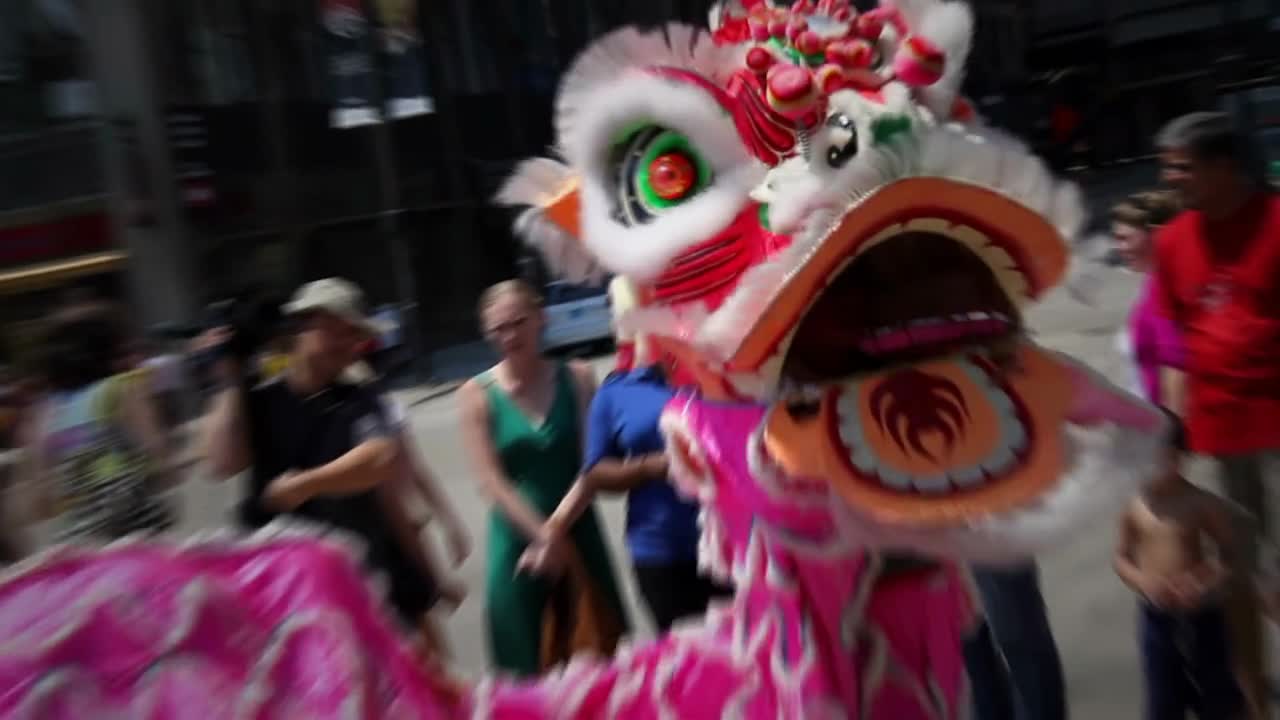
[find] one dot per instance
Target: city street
(1092, 612)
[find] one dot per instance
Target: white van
(576, 315)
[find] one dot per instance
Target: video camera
(254, 319)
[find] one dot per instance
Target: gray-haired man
(1218, 277)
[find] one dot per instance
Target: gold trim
(43, 275)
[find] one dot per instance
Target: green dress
(542, 463)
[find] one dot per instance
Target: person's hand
(286, 493)
(548, 559)
(1191, 587)
(1159, 591)
(458, 541)
(210, 339)
(226, 368)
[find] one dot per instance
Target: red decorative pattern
(910, 403)
(710, 271)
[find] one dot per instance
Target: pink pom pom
(918, 62)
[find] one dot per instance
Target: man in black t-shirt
(316, 447)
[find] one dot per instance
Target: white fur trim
(623, 52)
(564, 254)
(535, 183)
(644, 251)
(637, 97)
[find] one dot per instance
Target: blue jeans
(988, 677)
(1186, 663)
(1020, 623)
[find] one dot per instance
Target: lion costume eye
(655, 170)
(842, 134)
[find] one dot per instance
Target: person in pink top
(1149, 339)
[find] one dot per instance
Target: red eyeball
(672, 176)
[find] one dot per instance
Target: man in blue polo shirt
(624, 453)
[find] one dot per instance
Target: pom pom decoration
(918, 62)
(852, 54)
(791, 91)
(870, 25)
(795, 27)
(759, 60)
(830, 78)
(759, 28)
(962, 111)
(808, 43)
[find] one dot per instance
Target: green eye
(656, 169)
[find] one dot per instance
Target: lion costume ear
(551, 222)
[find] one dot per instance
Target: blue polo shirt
(662, 529)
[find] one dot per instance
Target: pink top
(1154, 341)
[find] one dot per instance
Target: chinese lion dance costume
(834, 253)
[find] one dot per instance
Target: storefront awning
(50, 274)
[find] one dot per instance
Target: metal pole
(389, 221)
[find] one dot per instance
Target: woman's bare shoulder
(471, 396)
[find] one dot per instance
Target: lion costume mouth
(945, 298)
(919, 269)
(890, 336)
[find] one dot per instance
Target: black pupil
(839, 155)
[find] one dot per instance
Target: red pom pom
(789, 83)
(830, 78)
(851, 54)
(870, 25)
(778, 28)
(759, 29)
(795, 28)
(791, 91)
(759, 59)
(919, 62)
(809, 43)
(962, 111)
(672, 175)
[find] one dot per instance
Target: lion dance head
(815, 220)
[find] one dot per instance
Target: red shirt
(1220, 283)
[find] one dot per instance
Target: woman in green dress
(522, 423)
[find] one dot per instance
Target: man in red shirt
(1218, 272)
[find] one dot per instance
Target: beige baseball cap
(335, 296)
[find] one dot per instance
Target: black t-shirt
(292, 432)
